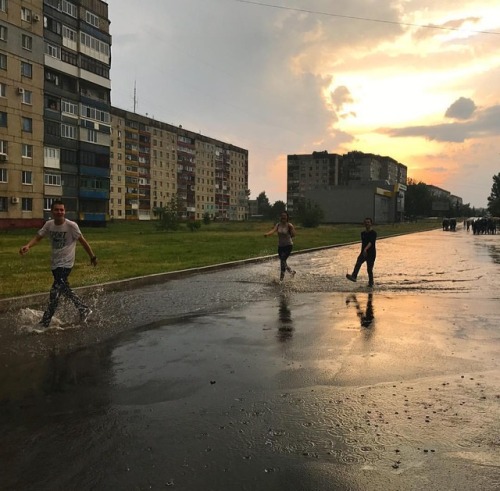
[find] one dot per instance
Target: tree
(168, 215)
(277, 209)
(206, 218)
(418, 199)
(494, 197)
(310, 214)
(263, 205)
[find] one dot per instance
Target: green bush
(193, 225)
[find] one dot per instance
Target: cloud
(340, 96)
(485, 124)
(462, 108)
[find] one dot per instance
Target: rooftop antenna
(135, 95)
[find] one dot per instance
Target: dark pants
(284, 253)
(370, 262)
(61, 287)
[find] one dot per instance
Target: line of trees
(309, 214)
(418, 202)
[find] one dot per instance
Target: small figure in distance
(63, 234)
(286, 232)
(368, 253)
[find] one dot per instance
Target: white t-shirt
(63, 239)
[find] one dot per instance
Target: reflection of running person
(365, 317)
(286, 232)
(368, 253)
(63, 235)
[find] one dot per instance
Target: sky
(415, 80)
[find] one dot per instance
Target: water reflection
(285, 321)
(366, 316)
(494, 251)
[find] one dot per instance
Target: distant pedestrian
(63, 235)
(368, 253)
(286, 232)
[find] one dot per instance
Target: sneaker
(85, 314)
(43, 324)
(293, 272)
(350, 277)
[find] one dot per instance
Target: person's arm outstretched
(272, 231)
(33, 242)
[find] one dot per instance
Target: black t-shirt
(368, 236)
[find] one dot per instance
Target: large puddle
(229, 380)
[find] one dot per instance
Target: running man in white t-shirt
(63, 235)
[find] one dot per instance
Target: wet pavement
(229, 381)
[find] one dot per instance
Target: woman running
(285, 231)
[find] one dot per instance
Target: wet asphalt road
(229, 381)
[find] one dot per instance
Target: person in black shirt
(368, 253)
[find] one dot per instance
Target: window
(52, 77)
(3, 61)
(53, 51)
(47, 203)
(3, 119)
(3, 33)
(3, 146)
(4, 175)
(3, 5)
(25, 14)
(52, 103)
(92, 19)
(27, 97)
(51, 153)
(26, 69)
(27, 42)
(69, 8)
(69, 108)
(3, 89)
(27, 124)
(52, 179)
(95, 114)
(4, 203)
(69, 57)
(68, 131)
(27, 177)
(94, 44)
(27, 204)
(92, 136)
(27, 151)
(69, 34)
(52, 25)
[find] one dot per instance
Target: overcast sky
(295, 76)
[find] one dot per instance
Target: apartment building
(21, 113)
(56, 132)
(153, 162)
(308, 172)
(347, 187)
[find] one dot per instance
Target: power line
(366, 19)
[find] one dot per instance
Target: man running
(368, 253)
(63, 234)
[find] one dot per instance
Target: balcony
(101, 194)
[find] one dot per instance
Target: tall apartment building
(21, 112)
(55, 120)
(345, 185)
(154, 162)
(308, 172)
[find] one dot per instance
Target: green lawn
(127, 250)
